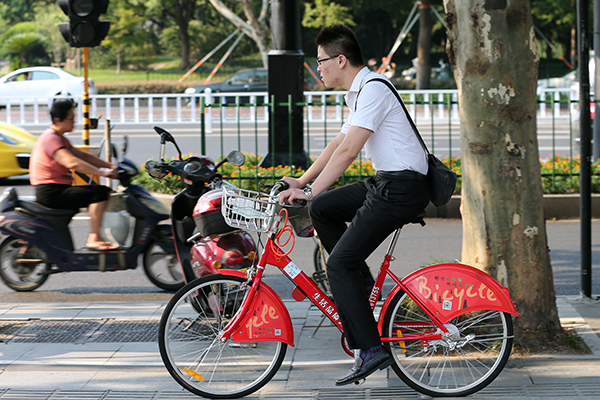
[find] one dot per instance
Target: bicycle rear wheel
(466, 361)
(191, 349)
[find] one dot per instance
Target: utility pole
(585, 174)
(286, 85)
(596, 81)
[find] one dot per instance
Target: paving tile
(122, 310)
(136, 354)
(45, 379)
(58, 311)
(69, 354)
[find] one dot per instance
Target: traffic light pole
(86, 99)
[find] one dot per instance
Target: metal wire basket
(248, 210)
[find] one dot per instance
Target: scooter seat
(53, 212)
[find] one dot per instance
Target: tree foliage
(189, 29)
(324, 13)
(23, 45)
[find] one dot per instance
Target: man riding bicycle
(374, 207)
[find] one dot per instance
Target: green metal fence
(434, 112)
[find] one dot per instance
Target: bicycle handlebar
(281, 186)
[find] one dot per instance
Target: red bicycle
(224, 336)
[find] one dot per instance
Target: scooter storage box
(207, 214)
(211, 223)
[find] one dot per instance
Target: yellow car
(15, 148)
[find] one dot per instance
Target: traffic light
(84, 29)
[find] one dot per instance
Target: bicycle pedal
(360, 381)
(319, 276)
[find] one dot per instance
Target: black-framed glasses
(321, 60)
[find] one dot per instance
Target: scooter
(203, 241)
(38, 241)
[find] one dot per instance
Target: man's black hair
(339, 39)
(60, 109)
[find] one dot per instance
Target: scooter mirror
(166, 137)
(236, 158)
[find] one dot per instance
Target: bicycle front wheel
(191, 349)
(465, 361)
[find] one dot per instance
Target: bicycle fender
(453, 289)
(267, 320)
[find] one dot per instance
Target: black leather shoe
(361, 369)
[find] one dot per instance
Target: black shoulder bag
(441, 179)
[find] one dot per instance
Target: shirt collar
(356, 83)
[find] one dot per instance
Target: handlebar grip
(283, 185)
(300, 202)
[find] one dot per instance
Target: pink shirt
(43, 167)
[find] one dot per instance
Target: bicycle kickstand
(323, 318)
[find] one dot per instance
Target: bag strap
(410, 120)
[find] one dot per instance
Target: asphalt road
(439, 241)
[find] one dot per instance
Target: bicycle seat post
(393, 242)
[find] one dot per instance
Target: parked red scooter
(203, 241)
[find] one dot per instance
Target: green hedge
(248, 175)
(144, 87)
(559, 175)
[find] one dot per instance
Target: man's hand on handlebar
(292, 182)
(292, 195)
(111, 173)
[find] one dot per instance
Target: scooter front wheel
(162, 267)
(23, 266)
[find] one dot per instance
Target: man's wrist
(308, 192)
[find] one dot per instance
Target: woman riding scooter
(53, 157)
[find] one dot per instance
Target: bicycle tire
(438, 370)
(192, 352)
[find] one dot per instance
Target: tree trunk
(260, 29)
(118, 71)
(494, 55)
(424, 46)
(257, 29)
(185, 47)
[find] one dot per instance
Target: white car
(41, 84)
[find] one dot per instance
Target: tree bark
(424, 46)
(494, 55)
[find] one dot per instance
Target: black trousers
(375, 208)
(70, 197)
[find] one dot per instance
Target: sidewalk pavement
(53, 351)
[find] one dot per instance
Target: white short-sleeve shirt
(393, 146)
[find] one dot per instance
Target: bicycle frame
(442, 291)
